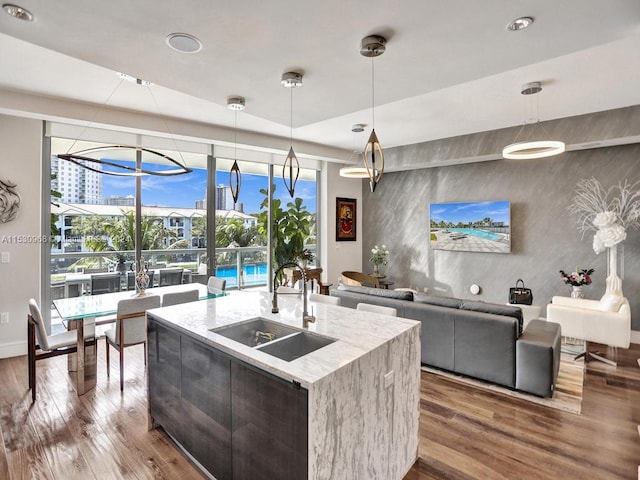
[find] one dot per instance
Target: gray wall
(545, 238)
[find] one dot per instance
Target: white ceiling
(450, 68)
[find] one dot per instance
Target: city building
(75, 183)
(224, 199)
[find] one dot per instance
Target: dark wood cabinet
(269, 424)
(164, 371)
(237, 421)
(206, 402)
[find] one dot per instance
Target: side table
(529, 312)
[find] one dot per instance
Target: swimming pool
(476, 233)
(253, 274)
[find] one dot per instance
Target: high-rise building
(224, 199)
(75, 183)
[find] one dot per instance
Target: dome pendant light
(534, 148)
(373, 46)
(291, 166)
(235, 177)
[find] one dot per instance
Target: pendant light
(525, 150)
(373, 46)
(235, 177)
(84, 159)
(359, 171)
(291, 166)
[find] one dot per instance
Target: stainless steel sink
(295, 346)
(255, 331)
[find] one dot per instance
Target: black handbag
(520, 295)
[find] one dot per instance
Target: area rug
(567, 395)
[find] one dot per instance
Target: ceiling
(451, 68)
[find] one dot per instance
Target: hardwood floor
(465, 433)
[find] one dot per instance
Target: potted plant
(304, 257)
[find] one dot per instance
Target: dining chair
(50, 345)
(170, 276)
(130, 328)
(367, 307)
(216, 283)
(174, 298)
(131, 280)
(105, 283)
(318, 298)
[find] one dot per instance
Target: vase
(613, 292)
(576, 292)
(376, 269)
(142, 279)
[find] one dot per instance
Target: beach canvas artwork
(471, 226)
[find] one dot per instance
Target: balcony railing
(240, 266)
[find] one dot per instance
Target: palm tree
(119, 233)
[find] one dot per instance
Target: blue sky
(466, 212)
(184, 190)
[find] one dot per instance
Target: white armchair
(593, 321)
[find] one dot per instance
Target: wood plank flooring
(465, 433)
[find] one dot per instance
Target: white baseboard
(635, 336)
(13, 349)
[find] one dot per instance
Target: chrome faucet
(306, 318)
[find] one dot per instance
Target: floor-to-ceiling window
(95, 215)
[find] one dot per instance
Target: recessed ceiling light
(183, 42)
(520, 24)
(358, 127)
(132, 79)
(18, 12)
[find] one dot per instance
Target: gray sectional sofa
(478, 339)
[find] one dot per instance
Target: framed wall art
(471, 226)
(345, 219)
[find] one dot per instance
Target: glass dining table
(80, 313)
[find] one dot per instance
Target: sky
(184, 190)
(466, 212)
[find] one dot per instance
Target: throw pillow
(610, 303)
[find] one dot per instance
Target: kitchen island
(347, 410)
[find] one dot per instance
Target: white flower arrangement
(379, 256)
(608, 212)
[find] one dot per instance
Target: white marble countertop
(357, 333)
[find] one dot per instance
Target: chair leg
(106, 344)
(31, 358)
(121, 368)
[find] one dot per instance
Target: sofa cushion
(378, 292)
(437, 300)
(496, 309)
